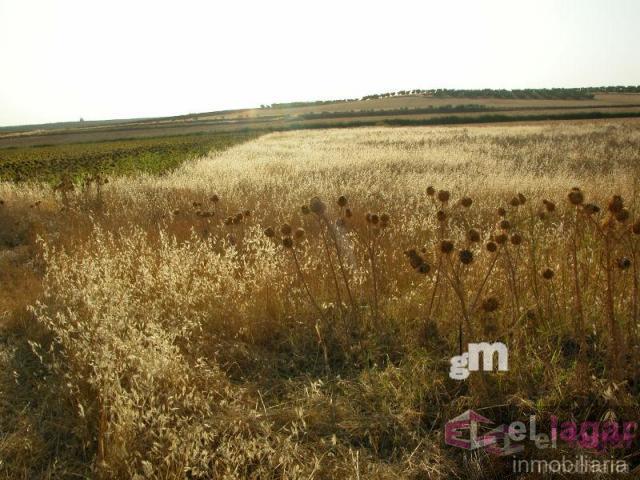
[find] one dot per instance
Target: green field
(121, 157)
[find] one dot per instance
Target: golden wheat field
(287, 308)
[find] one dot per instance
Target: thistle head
(443, 196)
(590, 208)
(504, 224)
(431, 191)
(269, 232)
(575, 196)
(285, 229)
(616, 204)
(465, 256)
(516, 239)
(624, 263)
(446, 246)
(473, 235)
(317, 206)
(501, 238)
(547, 274)
(287, 242)
(623, 215)
(466, 202)
(491, 247)
(490, 304)
(549, 205)
(342, 201)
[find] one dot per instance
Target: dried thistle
(466, 256)
(616, 204)
(516, 239)
(490, 304)
(549, 205)
(285, 229)
(269, 232)
(547, 274)
(446, 246)
(576, 197)
(443, 196)
(473, 235)
(317, 206)
(624, 263)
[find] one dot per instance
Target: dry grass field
(287, 308)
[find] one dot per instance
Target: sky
(61, 60)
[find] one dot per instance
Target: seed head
(299, 233)
(342, 201)
(214, 198)
(417, 262)
(549, 205)
(514, 202)
(431, 191)
(443, 196)
(441, 216)
(616, 204)
(575, 196)
(375, 219)
(466, 202)
(501, 212)
(384, 219)
(287, 242)
(636, 228)
(269, 232)
(501, 238)
(623, 215)
(590, 208)
(446, 246)
(624, 263)
(516, 239)
(246, 213)
(317, 206)
(542, 215)
(505, 224)
(285, 229)
(305, 209)
(490, 304)
(348, 213)
(466, 257)
(547, 274)
(423, 268)
(522, 199)
(473, 235)
(491, 247)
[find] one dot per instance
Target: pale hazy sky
(98, 59)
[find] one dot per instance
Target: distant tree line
(583, 93)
